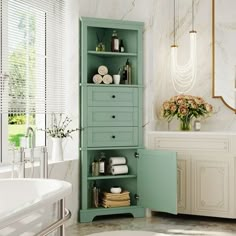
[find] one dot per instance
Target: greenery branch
(59, 127)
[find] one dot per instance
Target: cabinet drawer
(112, 96)
(112, 116)
(112, 136)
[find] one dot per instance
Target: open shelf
(111, 177)
(111, 54)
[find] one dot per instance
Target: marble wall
(157, 16)
(158, 37)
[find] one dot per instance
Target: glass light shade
(184, 76)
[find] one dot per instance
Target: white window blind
(32, 56)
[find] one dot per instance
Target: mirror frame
(213, 58)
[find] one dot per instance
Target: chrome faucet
(31, 144)
(32, 136)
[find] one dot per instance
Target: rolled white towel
(119, 170)
(97, 79)
(107, 79)
(102, 70)
(117, 161)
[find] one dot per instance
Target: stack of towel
(102, 76)
(117, 166)
(115, 199)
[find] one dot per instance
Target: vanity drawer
(112, 116)
(108, 96)
(112, 136)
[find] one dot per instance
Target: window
(32, 56)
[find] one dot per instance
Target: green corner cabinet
(111, 122)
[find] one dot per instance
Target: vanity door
(157, 180)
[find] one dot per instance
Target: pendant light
(184, 76)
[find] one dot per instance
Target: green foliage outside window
(22, 68)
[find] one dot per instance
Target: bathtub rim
(50, 198)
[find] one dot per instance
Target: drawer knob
(113, 136)
(113, 96)
(113, 117)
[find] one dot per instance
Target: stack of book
(115, 199)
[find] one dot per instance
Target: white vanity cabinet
(213, 185)
(205, 170)
(183, 183)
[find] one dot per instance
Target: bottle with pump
(102, 162)
(115, 44)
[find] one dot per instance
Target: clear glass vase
(185, 124)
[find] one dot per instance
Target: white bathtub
(27, 205)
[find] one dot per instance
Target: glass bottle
(95, 168)
(95, 196)
(122, 48)
(127, 73)
(114, 42)
(102, 162)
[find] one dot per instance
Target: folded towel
(108, 204)
(116, 196)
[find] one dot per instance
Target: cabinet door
(183, 183)
(213, 185)
(157, 180)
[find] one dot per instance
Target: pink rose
(192, 103)
(166, 105)
(183, 110)
(209, 107)
(180, 101)
(173, 107)
(199, 100)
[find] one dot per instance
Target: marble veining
(126, 233)
(129, 10)
(157, 16)
(163, 224)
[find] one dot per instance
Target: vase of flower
(185, 124)
(185, 108)
(57, 151)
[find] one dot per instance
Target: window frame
(4, 117)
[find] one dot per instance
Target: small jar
(197, 125)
